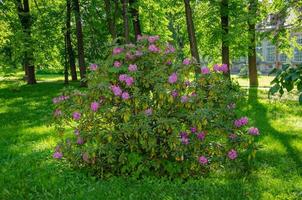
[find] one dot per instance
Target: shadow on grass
(258, 109)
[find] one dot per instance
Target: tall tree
(191, 32)
(28, 55)
(252, 43)
(224, 17)
(126, 21)
(135, 17)
(71, 57)
(80, 43)
(110, 17)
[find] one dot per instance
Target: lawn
(28, 170)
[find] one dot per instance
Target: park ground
(28, 170)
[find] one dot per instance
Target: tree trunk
(81, 58)
(191, 33)
(253, 76)
(110, 18)
(135, 17)
(28, 57)
(224, 15)
(71, 58)
(65, 61)
(126, 21)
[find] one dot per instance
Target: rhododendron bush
(144, 113)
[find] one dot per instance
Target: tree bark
(135, 17)
(71, 58)
(252, 57)
(28, 57)
(81, 58)
(191, 33)
(126, 21)
(110, 19)
(65, 61)
(224, 16)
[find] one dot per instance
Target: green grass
(29, 172)
(264, 81)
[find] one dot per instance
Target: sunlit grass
(28, 170)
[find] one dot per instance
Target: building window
(283, 57)
(297, 55)
(270, 54)
(259, 53)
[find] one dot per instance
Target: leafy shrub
(145, 114)
(287, 77)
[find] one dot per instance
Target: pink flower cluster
(152, 39)
(117, 64)
(221, 68)
(93, 67)
(241, 122)
(253, 131)
(148, 112)
(153, 48)
(57, 113)
(203, 160)
(186, 61)
(172, 78)
(169, 49)
(127, 79)
(232, 154)
(184, 138)
(201, 135)
(76, 116)
(132, 67)
(117, 50)
(94, 106)
(57, 155)
(174, 93)
(184, 99)
(205, 70)
(59, 99)
(117, 91)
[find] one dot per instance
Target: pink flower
(193, 94)
(193, 129)
(183, 134)
(93, 67)
(185, 141)
(232, 136)
(76, 115)
(117, 64)
(253, 131)
(172, 78)
(138, 53)
(117, 50)
(232, 154)
(139, 37)
(80, 140)
(153, 39)
(148, 112)
(129, 56)
(187, 83)
(57, 155)
(129, 80)
(221, 68)
(94, 106)
(153, 48)
(125, 95)
(201, 135)
(184, 99)
(122, 77)
(57, 113)
(116, 90)
(59, 99)
(132, 67)
(205, 70)
(85, 157)
(169, 49)
(174, 93)
(241, 122)
(203, 160)
(186, 61)
(169, 62)
(76, 132)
